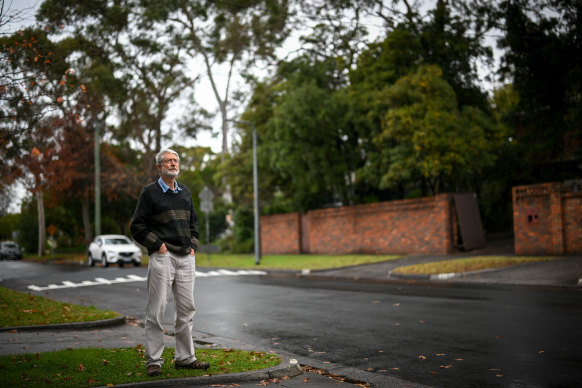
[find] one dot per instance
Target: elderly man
(166, 224)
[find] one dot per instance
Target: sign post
(206, 206)
(255, 191)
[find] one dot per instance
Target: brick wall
(280, 233)
(407, 226)
(547, 219)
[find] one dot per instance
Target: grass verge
(20, 309)
(105, 367)
(288, 262)
(225, 260)
(468, 264)
(68, 257)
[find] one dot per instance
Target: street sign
(206, 197)
(206, 194)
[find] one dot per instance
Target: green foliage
(307, 140)
(346, 121)
(8, 225)
(543, 62)
(243, 232)
(425, 136)
(28, 227)
(448, 42)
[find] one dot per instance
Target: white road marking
(136, 278)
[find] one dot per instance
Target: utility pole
(256, 199)
(255, 191)
(97, 179)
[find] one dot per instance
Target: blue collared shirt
(165, 187)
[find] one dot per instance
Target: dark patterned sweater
(165, 218)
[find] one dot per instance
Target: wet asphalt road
(438, 334)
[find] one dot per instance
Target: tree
(37, 170)
(454, 42)
(35, 79)
(224, 36)
(137, 71)
(426, 137)
(542, 60)
(31, 109)
(306, 139)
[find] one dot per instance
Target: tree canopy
(378, 100)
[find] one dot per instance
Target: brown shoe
(154, 370)
(193, 365)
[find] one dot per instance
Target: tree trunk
(86, 220)
(41, 222)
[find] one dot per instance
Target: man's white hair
(160, 155)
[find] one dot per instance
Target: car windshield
(117, 241)
(10, 245)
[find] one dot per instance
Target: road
(433, 334)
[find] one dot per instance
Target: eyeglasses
(169, 161)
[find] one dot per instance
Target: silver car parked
(112, 249)
(10, 250)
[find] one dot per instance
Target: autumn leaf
(82, 367)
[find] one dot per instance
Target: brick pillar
(556, 221)
(444, 208)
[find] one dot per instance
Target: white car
(113, 248)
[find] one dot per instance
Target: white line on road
(136, 278)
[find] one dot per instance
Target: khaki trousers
(176, 273)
